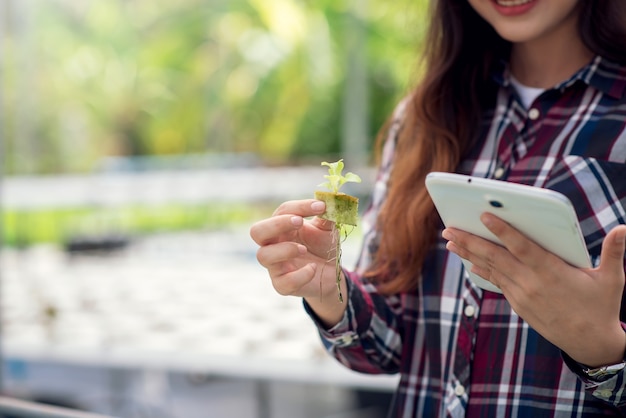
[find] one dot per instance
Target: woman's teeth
(511, 3)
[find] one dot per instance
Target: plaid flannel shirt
(461, 351)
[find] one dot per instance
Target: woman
(528, 91)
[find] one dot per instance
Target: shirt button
(498, 173)
(346, 340)
(469, 311)
(533, 113)
(459, 390)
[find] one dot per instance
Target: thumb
(613, 248)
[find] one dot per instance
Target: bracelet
(600, 374)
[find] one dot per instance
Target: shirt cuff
(577, 368)
(341, 334)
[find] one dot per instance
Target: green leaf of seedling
(351, 177)
(335, 178)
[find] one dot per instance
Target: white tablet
(545, 216)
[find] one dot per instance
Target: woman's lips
(513, 7)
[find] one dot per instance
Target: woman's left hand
(575, 309)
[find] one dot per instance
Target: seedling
(341, 208)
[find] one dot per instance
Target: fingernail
(296, 221)
(447, 235)
(302, 249)
(318, 206)
(486, 220)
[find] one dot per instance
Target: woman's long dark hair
(602, 27)
(442, 119)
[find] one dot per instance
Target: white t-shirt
(527, 94)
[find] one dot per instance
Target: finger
(518, 244)
(323, 224)
(497, 277)
(288, 217)
(269, 255)
(317, 207)
(613, 249)
(489, 260)
(291, 283)
(304, 208)
(267, 231)
(479, 267)
(477, 250)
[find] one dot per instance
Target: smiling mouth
(511, 3)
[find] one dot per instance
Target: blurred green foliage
(87, 80)
(22, 228)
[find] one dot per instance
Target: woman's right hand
(299, 254)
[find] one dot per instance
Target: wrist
(327, 307)
(605, 354)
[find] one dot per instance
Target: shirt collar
(600, 73)
(607, 76)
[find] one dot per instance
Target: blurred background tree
(102, 264)
(279, 79)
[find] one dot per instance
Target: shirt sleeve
(368, 337)
(610, 390)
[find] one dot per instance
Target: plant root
(340, 233)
